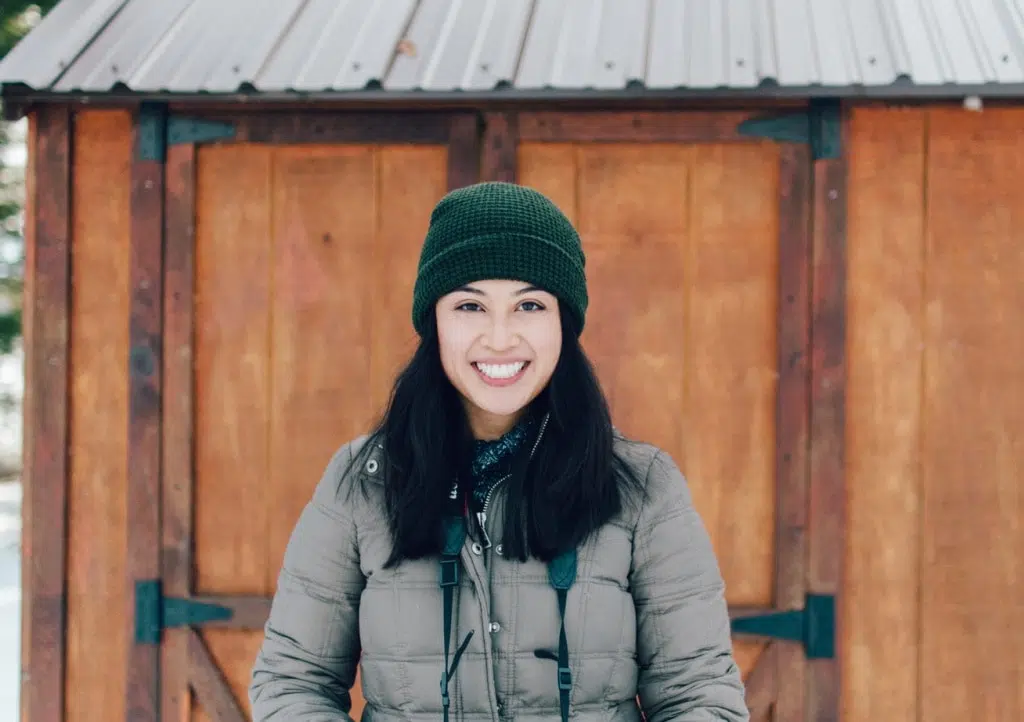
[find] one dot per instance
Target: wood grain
(97, 503)
(828, 415)
(46, 430)
(178, 416)
(792, 417)
(972, 446)
(881, 666)
(145, 377)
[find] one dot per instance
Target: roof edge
(18, 97)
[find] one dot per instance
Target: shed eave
(18, 97)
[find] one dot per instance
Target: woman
(494, 549)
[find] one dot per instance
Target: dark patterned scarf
(492, 460)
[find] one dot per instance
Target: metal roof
(445, 47)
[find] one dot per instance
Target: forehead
(497, 287)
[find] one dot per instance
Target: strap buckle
(564, 678)
(449, 572)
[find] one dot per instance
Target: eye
(471, 306)
(531, 306)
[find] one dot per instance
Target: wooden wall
(935, 417)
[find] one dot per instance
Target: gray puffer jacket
(645, 618)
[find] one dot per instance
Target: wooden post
(792, 417)
(145, 368)
(828, 416)
(500, 148)
(463, 150)
(178, 416)
(47, 311)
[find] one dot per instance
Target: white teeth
(501, 371)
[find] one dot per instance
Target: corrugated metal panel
(222, 46)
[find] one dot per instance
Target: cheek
(548, 348)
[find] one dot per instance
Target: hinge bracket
(151, 132)
(154, 612)
(820, 126)
(813, 626)
(196, 130)
(157, 130)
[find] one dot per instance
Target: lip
(498, 383)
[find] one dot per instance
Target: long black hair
(574, 483)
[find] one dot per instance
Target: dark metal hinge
(151, 132)
(820, 126)
(197, 130)
(154, 612)
(157, 130)
(814, 626)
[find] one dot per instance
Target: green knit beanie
(500, 231)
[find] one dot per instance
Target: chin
(501, 407)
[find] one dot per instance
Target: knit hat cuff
(506, 256)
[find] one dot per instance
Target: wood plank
(972, 586)
(884, 360)
(828, 412)
(179, 312)
(97, 514)
(463, 151)
(211, 687)
(145, 374)
(551, 168)
(763, 684)
(289, 128)
(44, 537)
(410, 183)
(233, 346)
(325, 210)
(792, 416)
(500, 147)
(730, 367)
(632, 126)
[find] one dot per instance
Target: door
(698, 234)
(291, 245)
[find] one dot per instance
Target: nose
(499, 336)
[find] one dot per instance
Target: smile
(501, 373)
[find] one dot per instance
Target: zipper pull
(481, 517)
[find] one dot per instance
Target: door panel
(304, 262)
(682, 260)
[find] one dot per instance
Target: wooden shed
(805, 253)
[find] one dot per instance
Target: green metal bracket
(154, 612)
(151, 136)
(157, 130)
(820, 127)
(814, 626)
(195, 130)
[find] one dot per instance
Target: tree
(17, 17)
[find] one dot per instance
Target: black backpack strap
(562, 575)
(454, 538)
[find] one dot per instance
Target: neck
(488, 427)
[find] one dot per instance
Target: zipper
(481, 516)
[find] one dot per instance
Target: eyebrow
(478, 292)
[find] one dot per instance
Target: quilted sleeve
(307, 662)
(687, 670)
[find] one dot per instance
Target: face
(500, 342)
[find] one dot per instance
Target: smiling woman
(495, 532)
